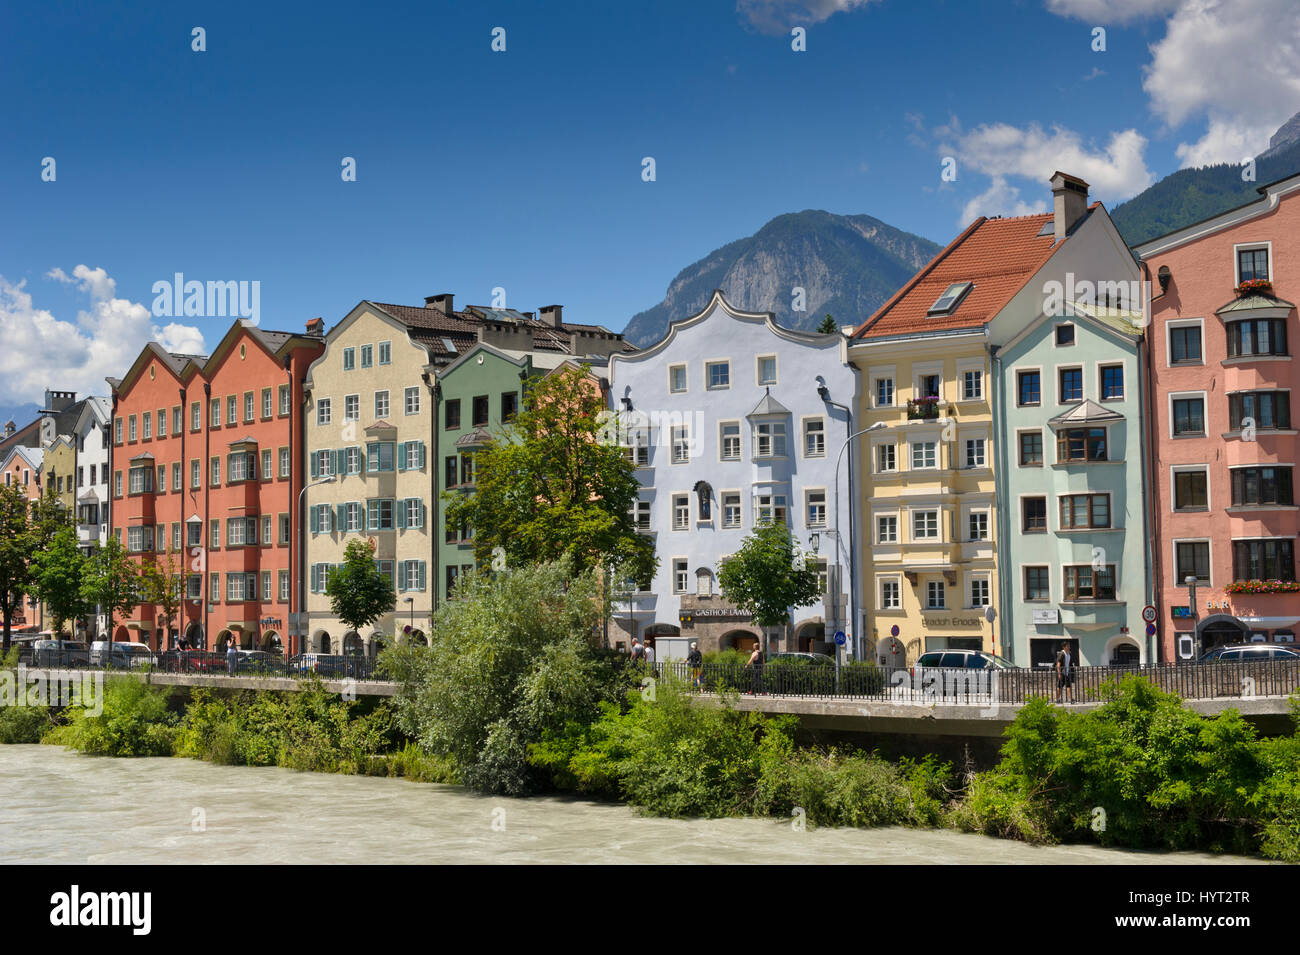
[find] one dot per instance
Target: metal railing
(209, 663)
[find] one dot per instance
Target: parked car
(961, 660)
(327, 664)
(56, 653)
(257, 661)
(191, 661)
(121, 655)
(793, 672)
(1249, 652)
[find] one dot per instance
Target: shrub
(135, 721)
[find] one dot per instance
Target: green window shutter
(420, 571)
(313, 521)
(401, 576)
(314, 472)
(401, 455)
(421, 455)
(343, 517)
(400, 507)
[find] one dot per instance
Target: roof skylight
(950, 299)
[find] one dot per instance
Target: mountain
(20, 415)
(1191, 195)
(847, 265)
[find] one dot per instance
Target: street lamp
(302, 597)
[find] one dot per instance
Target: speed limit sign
(1149, 614)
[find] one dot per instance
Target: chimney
(442, 302)
(553, 315)
(316, 326)
(9, 429)
(59, 400)
(1069, 203)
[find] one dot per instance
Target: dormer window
(947, 302)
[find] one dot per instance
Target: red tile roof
(998, 255)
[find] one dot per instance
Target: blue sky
(522, 169)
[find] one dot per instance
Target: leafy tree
(512, 656)
(359, 594)
(163, 585)
(57, 573)
(828, 326)
(768, 576)
(111, 581)
(552, 485)
(15, 552)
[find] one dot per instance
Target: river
(57, 806)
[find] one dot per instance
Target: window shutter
(315, 473)
(401, 513)
(314, 521)
(421, 455)
(372, 517)
(342, 517)
(401, 455)
(420, 570)
(401, 576)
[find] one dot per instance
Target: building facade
(1222, 376)
(92, 434)
(735, 422)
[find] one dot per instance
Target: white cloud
(1000, 199)
(1000, 149)
(1232, 62)
(779, 16)
(1105, 12)
(39, 351)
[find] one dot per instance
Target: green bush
(24, 724)
(136, 721)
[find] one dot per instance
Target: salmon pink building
(1223, 370)
(207, 465)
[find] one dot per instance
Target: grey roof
(1085, 413)
(768, 406)
(1250, 302)
(474, 438)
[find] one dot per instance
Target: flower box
(1255, 287)
(1263, 587)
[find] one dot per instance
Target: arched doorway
(121, 635)
(224, 639)
(321, 642)
(808, 634)
(1123, 652)
(891, 652)
(1221, 629)
(194, 637)
(742, 640)
(376, 642)
(418, 639)
(352, 643)
(271, 642)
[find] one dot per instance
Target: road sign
(893, 631)
(1185, 646)
(1149, 613)
(840, 638)
(1151, 630)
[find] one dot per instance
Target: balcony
(924, 409)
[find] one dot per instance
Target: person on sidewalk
(1064, 673)
(755, 666)
(695, 660)
(232, 658)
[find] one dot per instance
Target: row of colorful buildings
(1043, 436)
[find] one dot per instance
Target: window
(284, 462)
(147, 425)
(1191, 559)
(352, 517)
(195, 477)
(379, 456)
(283, 581)
(814, 438)
(1266, 410)
(936, 595)
(677, 379)
(1033, 512)
(117, 483)
(1272, 559)
(215, 421)
(769, 439)
(641, 515)
(681, 440)
(140, 480)
(928, 386)
(322, 463)
(196, 416)
(266, 529)
(1261, 486)
(886, 458)
(1031, 449)
(680, 576)
(236, 532)
(731, 509)
(1037, 586)
(232, 409)
(1252, 264)
(925, 525)
(884, 392)
(284, 529)
(467, 470)
(367, 356)
(950, 299)
(214, 534)
(449, 471)
(215, 466)
(284, 400)
(1085, 582)
(266, 403)
(385, 353)
(379, 515)
(349, 359)
(414, 451)
(1185, 344)
(972, 385)
(1084, 510)
(975, 453)
(238, 467)
(267, 472)
(1262, 336)
(130, 428)
(717, 374)
(1071, 385)
(480, 411)
(509, 405)
(117, 430)
(925, 454)
(767, 370)
(730, 440)
(250, 406)
(1188, 415)
(891, 597)
(1065, 334)
(1112, 382)
(323, 411)
(139, 539)
(1081, 444)
(381, 404)
(451, 415)
(162, 478)
(978, 525)
(816, 502)
(194, 587)
(887, 529)
(176, 420)
(411, 397)
(769, 508)
(414, 515)
(1029, 388)
(352, 408)
(979, 592)
(1190, 491)
(681, 512)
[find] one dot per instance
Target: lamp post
(1190, 581)
(302, 597)
(411, 601)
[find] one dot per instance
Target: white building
(739, 421)
(92, 440)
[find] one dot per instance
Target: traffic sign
(840, 638)
(1151, 629)
(893, 631)
(1149, 613)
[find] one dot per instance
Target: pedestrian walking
(232, 658)
(695, 660)
(1064, 673)
(755, 666)
(638, 651)
(649, 654)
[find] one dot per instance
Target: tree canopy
(359, 594)
(768, 575)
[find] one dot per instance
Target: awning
(1083, 414)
